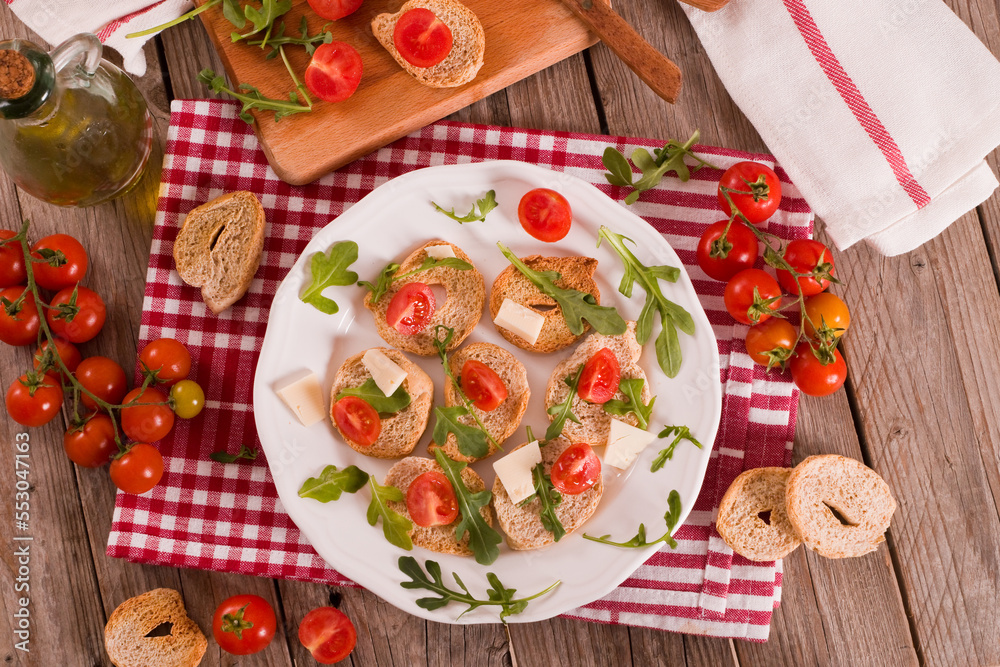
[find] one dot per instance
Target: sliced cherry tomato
(328, 634)
(104, 378)
(600, 378)
(65, 350)
(482, 385)
(771, 342)
(357, 419)
(807, 256)
(741, 302)
(741, 255)
(92, 444)
(188, 398)
(545, 214)
(576, 470)
(827, 310)
(166, 360)
(422, 38)
(80, 321)
(431, 500)
(21, 326)
(65, 262)
(12, 271)
(34, 400)
(334, 9)
(334, 72)
(138, 470)
(814, 378)
(145, 421)
(762, 188)
(244, 624)
(411, 309)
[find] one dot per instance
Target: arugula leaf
(329, 270)
(234, 13)
(576, 305)
(485, 205)
(263, 19)
(382, 283)
(395, 526)
(388, 275)
(564, 410)
(682, 433)
(331, 483)
(227, 11)
(223, 456)
(632, 388)
(309, 42)
(252, 98)
(373, 396)
(672, 316)
(483, 538)
(671, 518)
(549, 498)
(653, 169)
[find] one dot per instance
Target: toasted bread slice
(523, 525)
(400, 432)
(125, 633)
(577, 273)
(754, 493)
(822, 487)
(461, 309)
(218, 248)
(504, 420)
(435, 538)
(595, 423)
(468, 47)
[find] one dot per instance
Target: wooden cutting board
(522, 37)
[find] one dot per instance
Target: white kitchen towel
(880, 111)
(58, 20)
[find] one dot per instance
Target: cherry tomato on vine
(806, 256)
(20, 327)
(761, 186)
(138, 470)
(66, 262)
(188, 398)
(741, 302)
(545, 214)
(328, 634)
(166, 359)
(334, 72)
(431, 500)
(145, 421)
(104, 378)
(422, 38)
(741, 256)
(411, 309)
(333, 10)
(34, 400)
(65, 350)
(828, 309)
(12, 271)
(576, 470)
(244, 624)
(771, 342)
(482, 385)
(358, 420)
(81, 325)
(91, 444)
(814, 378)
(600, 377)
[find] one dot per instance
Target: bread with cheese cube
(461, 310)
(400, 432)
(595, 423)
(522, 523)
(753, 519)
(576, 273)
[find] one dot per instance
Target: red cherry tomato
(104, 378)
(739, 296)
(138, 470)
(812, 377)
(422, 38)
(828, 309)
(92, 444)
(66, 262)
(328, 634)
(431, 500)
(34, 401)
(600, 378)
(806, 256)
(576, 470)
(773, 335)
(244, 624)
(12, 271)
(85, 323)
(334, 9)
(411, 309)
(762, 188)
(145, 421)
(166, 359)
(21, 327)
(482, 385)
(334, 72)
(357, 420)
(741, 256)
(545, 214)
(65, 350)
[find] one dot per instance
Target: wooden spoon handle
(707, 5)
(655, 69)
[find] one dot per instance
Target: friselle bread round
(125, 633)
(752, 493)
(820, 488)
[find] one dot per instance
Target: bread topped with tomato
(407, 313)
(385, 435)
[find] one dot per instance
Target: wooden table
(921, 406)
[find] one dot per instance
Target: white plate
(387, 225)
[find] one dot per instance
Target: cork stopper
(17, 76)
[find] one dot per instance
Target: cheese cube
(386, 373)
(625, 443)
(305, 398)
(520, 320)
(514, 471)
(439, 251)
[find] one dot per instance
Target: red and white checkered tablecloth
(228, 517)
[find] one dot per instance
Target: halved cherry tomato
(80, 325)
(12, 271)
(482, 385)
(600, 378)
(545, 214)
(333, 10)
(328, 634)
(334, 72)
(358, 420)
(431, 500)
(92, 444)
(66, 351)
(411, 309)
(739, 296)
(145, 421)
(762, 188)
(20, 327)
(771, 342)
(33, 400)
(104, 378)
(741, 256)
(806, 256)
(828, 309)
(576, 470)
(244, 624)
(166, 359)
(812, 377)
(138, 470)
(66, 262)
(422, 38)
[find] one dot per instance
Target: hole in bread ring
(215, 237)
(164, 629)
(765, 516)
(844, 521)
